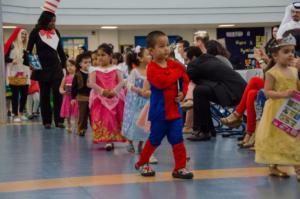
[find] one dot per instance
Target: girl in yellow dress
(274, 146)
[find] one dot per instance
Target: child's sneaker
(81, 133)
(183, 174)
(24, 118)
(69, 129)
(30, 117)
(187, 130)
(17, 120)
(109, 146)
(145, 170)
(153, 160)
(130, 148)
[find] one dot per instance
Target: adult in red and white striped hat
(51, 6)
(46, 38)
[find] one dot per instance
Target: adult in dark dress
(49, 49)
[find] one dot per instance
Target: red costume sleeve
(161, 78)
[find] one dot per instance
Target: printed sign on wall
(241, 42)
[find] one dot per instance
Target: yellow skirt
(272, 145)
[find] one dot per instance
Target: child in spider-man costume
(166, 78)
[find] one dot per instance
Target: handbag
(34, 62)
(17, 81)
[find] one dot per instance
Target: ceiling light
(226, 25)
(109, 27)
(8, 27)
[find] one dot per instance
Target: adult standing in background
(18, 76)
(271, 42)
(53, 59)
(291, 19)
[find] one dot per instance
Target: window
(71, 45)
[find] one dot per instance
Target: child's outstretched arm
(269, 89)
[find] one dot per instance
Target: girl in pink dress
(68, 110)
(106, 99)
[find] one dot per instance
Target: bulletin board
(241, 42)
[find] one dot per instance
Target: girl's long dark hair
(44, 20)
(215, 48)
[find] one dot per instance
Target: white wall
(135, 12)
(121, 37)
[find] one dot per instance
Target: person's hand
(63, 92)
(14, 62)
(105, 92)
(296, 63)
(73, 102)
(288, 93)
(139, 91)
(111, 94)
(135, 89)
(146, 93)
(180, 97)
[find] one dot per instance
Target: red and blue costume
(165, 113)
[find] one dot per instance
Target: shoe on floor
(109, 146)
(9, 114)
(183, 174)
(30, 117)
(17, 120)
(274, 171)
(60, 125)
(69, 129)
(145, 170)
(153, 160)
(81, 133)
(187, 130)
(47, 126)
(130, 148)
(199, 136)
(24, 118)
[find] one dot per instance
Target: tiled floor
(29, 154)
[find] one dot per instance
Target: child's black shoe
(183, 174)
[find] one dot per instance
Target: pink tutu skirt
(67, 109)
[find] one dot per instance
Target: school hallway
(39, 163)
